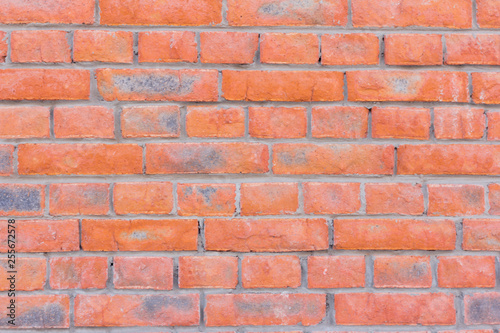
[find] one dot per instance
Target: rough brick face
(40, 46)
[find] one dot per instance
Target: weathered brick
(78, 272)
(48, 11)
(488, 13)
(455, 200)
(459, 123)
(4, 46)
(486, 88)
(269, 198)
(167, 46)
(6, 160)
(103, 46)
(215, 122)
(206, 199)
(31, 274)
(493, 125)
(24, 122)
(394, 198)
(481, 235)
(331, 198)
(350, 49)
(270, 272)
(277, 122)
(339, 122)
(22, 200)
(208, 272)
(402, 272)
(143, 273)
(335, 272)
(413, 49)
(79, 199)
(467, 49)
(37, 312)
(482, 308)
(143, 198)
(84, 122)
(48, 46)
(494, 198)
(401, 123)
(466, 272)
(228, 47)
(289, 48)
(151, 121)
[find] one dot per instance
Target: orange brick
(78, 272)
(467, 49)
(387, 234)
(265, 309)
(289, 86)
(394, 198)
(494, 199)
(395, 309)
(43, 236)
(6, 160)
(208, 272)
(455, 14)
(84, 122)
(206, 199)
(283, 12)
(151, 121)
(79, 199)
(402, 272)
(270, 272)
(466, 272)
(227, 157)
(139, 235)
(48, 11)
(350, 49)
(277, 122)
(335, 271)
(4, 46)
(40, 46)
(167, 46)
(401, 123)
(24, 122)
(81, 159)
(488, 13)
(200, 85)
(44, 84)
(481, 308)
(227, 47)
(481, 235)
(269, 198)
(22, 200)
(331, 198)
(339, 122)
(455, 200)
(486, 88)
(30, 274)
(103, 46)
(143, 273)
(407, 86)
(459, 123)
(307, 158)
(143, 198)
(493, 125)
(215, 122)
(289, 48)
(413, 49)
(266, 235)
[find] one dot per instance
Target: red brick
(387, 234)
(137, 310)
(289, 48)
(488, 13)
(208, 272)
(334, 159)
(335, 271)
(266, 235)
(200, 85)
(350, 49)
(394, 309)
(277, 122)
(387, 13)
(467, 49)
(24, 122)
(40, 46)
(494, 198)
(459, 123)
(331, 198)
(22, 200)
(6, 160)
(401, 123)
(84, 122)
(4, 46)
(466, 272)
(227, 157)
(482, 308)
(167, 46)
(486, 88)
(206, 199)
(215, 122)
(78, 272)
(270, 272)
(228, 47)
(448, 159)
(43, 236)
(143, 273)
(103, 46)
(79, 159)
(493, 125)
(283, 12)
(455, 200)
(338, 122)
(139, 235)
(44, 84)
(143, 198)
(413, 49)
(402, 272)
(481, 235)
(30, 274)
(159, 12)
(79, 199)
(48, 11)
(269, 198)
(151, 121)
(394, 198)
(265, 309)
(38, 311)
(407, 86)
(289, 86)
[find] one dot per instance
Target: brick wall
(251, 165)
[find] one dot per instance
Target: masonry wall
(250, 165)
